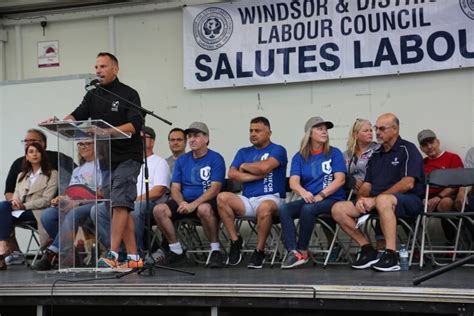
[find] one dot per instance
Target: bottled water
(403, 253)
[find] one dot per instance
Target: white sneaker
(158, 255)
(15, 258)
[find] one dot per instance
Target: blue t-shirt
(196, 175)
(385, 168)
(275, 181)
(318, 171)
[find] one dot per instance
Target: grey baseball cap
(425, 135)
(197, 127)
(317, 120)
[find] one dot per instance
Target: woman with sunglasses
(360, 147)
(36, 185)
(74, 208)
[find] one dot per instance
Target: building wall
(150, 50)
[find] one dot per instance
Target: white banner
(268, 41)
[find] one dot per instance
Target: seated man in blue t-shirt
(197, 179)
(262, 170)
(393, 186)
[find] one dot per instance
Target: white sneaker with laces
(158, 255)
(15, 258)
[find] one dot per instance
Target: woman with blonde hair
(360, 147)
(317, 175)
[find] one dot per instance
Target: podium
(82, 186)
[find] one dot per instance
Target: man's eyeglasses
(29, 141)
(382, 128)
(84, 144)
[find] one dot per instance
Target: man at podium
(126, 154)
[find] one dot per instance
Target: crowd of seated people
(386, 178)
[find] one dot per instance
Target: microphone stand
(149, 263)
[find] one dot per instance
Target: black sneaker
(234, 254)
(173, 260)
(257, 259)
(367, 257)
(388, 262)
(215, 261)
(47, 261)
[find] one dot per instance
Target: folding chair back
(453, 178)
(443, 178)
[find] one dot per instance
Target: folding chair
(442, 178)
(32, 227)
(408, 227)
(189, 231)
(325, 246)
(273, 243)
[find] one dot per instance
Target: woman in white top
(36, 185)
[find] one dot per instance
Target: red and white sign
(48, 54)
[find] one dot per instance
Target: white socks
(176, 248)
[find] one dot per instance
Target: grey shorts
(124, 184)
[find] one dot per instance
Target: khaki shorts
(251, 204)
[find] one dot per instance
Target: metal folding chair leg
(31, 227)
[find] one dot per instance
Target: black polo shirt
(385, 168)
(101, 105)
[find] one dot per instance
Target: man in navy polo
(393, 187)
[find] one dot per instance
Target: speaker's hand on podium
(54, 119)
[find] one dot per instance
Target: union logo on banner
(212, 28)
(468, 7)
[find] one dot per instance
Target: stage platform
(236, 291)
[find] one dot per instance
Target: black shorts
(177, 216)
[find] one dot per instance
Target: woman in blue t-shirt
(317, 176)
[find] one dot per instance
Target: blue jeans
(70, 223)
(140, 216)
(307, 213)
(7, 220)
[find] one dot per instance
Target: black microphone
(94, 83)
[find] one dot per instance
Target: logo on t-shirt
(395, 161)
(115, 106)
(205, 173)
(265, 156)
(327, 170)
(326, 166)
